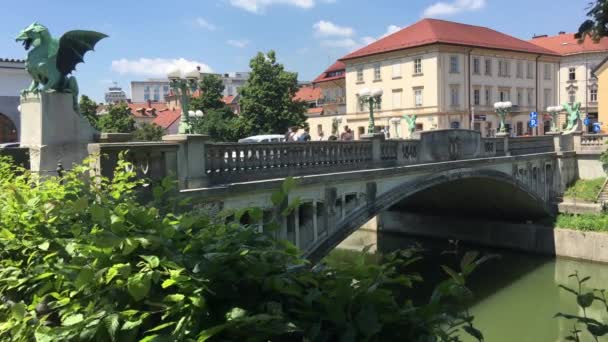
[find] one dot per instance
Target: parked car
(263, 138)
(11, 144)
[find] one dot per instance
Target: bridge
(343, 185)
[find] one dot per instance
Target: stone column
(505, 137)
(576, 140)
(53, 131)
(376, 139)
(191, 158)
(557, 141)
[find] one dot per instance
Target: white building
(153, 90)
(13, 78)
(576, 82)
(115, 94)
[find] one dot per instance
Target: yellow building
(450, 75)
(601, 72)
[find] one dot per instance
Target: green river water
(516, 295)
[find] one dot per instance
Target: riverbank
(531, 237)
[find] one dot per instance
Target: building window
(377, 72)
(418, 66)
(572, 97)
(547, 71)
(488, 96)
(530, 97)
(156, 97)
(593, 94)
(476, 66)
(454, 65)
(362, 105)
(572, 74)
(530, 70)
(504, 68)
(454, 95)
(397, 98)
(476, 96)
(547, 97)
(418, 97)
(147, 97)
(520, 69)
(397, 69)
(455, 124)
(520, 97)
(504, 95)
(359, 74)
(419, 127)
(488, 67)
(166, 90)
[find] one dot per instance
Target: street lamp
(502, 109)
(183, 89)
(371, 98)
(396, 122)
(554, 111)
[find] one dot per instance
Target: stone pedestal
(376, 139)
(53, 131)
(557, 140)
(505, 137)
(191, 166)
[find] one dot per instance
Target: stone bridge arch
(527, 196)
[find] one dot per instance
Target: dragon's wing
(72, 47)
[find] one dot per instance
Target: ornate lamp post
(554, 111)
(396, 122)
(183, 89)
(502, 109)
(371, 98)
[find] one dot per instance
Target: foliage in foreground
(584, 222)
(586, 190)
(148, 132)
(585, 299)
(86, 261)
(118, 119)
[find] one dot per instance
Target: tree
(117, 120)
(148, 132)
(267, 102)
(597, 26)
(88, 109)
(211, 94)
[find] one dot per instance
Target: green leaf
(99, 214)
(112, 323)
(468, 259)
(6, 234)
(174, 298)
(167, 283)
(44, 246)
(209, 333)
(152, 260)
(235, 313)
(161, 327)
(149, 338)
(138, 285)
(289, 184)
(473, 332)
(199, 302)
(72, 320)
(585, 300)
(124, 270)
(128, 325)
(277, 198)
(84, 278)
(18, 309)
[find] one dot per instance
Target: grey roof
(12, 60)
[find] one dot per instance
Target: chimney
(562, 32)
(540, 36)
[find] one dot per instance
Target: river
(516, 295)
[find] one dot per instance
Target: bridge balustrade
(531, 145)
(593, 143)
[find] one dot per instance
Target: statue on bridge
(574, 117)
(411, 124)
(51, 60)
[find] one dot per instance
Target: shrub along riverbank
(583, 222)
(585, 190)
(86, 260)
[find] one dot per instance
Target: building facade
(575, 75)
(13, 79)
(115, 94)
(449, 75)
(154, 90)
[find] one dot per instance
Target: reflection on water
(516, 294)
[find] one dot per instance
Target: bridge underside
(475, 197)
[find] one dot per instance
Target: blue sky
(149, 37)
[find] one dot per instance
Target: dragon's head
(32, 36)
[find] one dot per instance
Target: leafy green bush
(584, 222)
(586, 190)
(83, 260)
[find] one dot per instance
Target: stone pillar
(576, 140)
(376, 139)
(54, 132)
(191, 158)
(557, 141)
(505, 137)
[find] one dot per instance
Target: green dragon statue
(574, 115)
(411, 124)
(50, 61)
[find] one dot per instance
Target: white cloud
(327, 28)
(241, 44)
(258, 6)
(391, 29)
(346, 43)
(454, 7)
(202, 23)
(155, 67)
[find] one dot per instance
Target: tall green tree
(267, 102)
(88, 109)
(596, 26)
(117, 120)
(148, 132)
(212, 90)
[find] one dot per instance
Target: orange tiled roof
(332, 73)
(308, 94)
(434, 31)
(167, 118)
(316, 110)
(228, 99)
(566, 44)
(147, 110)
